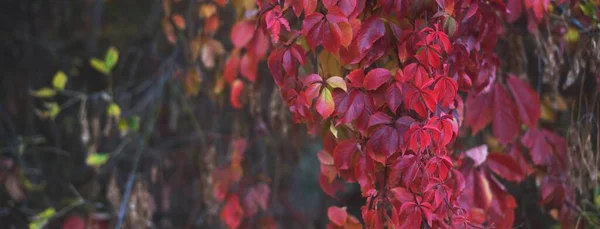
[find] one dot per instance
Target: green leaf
(100, 66)
(53, 109)
(59, 81)
(42, 218)
(134, 123)
(111, 58)
(587, 9)
(97, 159)
(114, 110)
(44, 92)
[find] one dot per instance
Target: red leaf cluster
(394, 111)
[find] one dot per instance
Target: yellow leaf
(100, 66)
(59, 81)
(207, 10)
(114, 110)
(547, 113)
(97, 159)
(219, 85)
(333, 130)
(111, 58)
(192, 82)
(44, 92)
(329, 65)
(572, 35)
(337, 82)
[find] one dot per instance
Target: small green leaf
(97, 159)
(44, 92)
(134, 123)
(100, 66)
(111, 58)
(42, 218)
(53, 109)
(59, 81)
(114, 110)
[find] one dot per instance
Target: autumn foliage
(392, 85)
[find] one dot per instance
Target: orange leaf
(178, 21)
(236, 90)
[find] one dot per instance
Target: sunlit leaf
(52, 109)
(59, 81)
(111, 58)
(44, 92)
(113, 110)
(337, 82)
(100, 66)
(97, 159)
(42, 218)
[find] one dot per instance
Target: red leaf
(356, 78)
(337, 215)
(479, 113)
(371, 30)
(363, 172)
(259, 45)
(232, 213)
(376, 77)
(74, 222)
(505, 166)
(382, 143)
(312, 29)
(345, 33)
(330, 188)
(515, 8)
(241, 33)
(393, 96)
(249, 67)
(344, 153)
(505, 125)
(325, 158)
(325, 104)
(231, 67)
(539, 147)
(331, 37)
(256, 197)
(378, 119)
(276, 66)
(416, 73)
(236, 90)
(539, 7)
(528, 102)
(446, 89)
